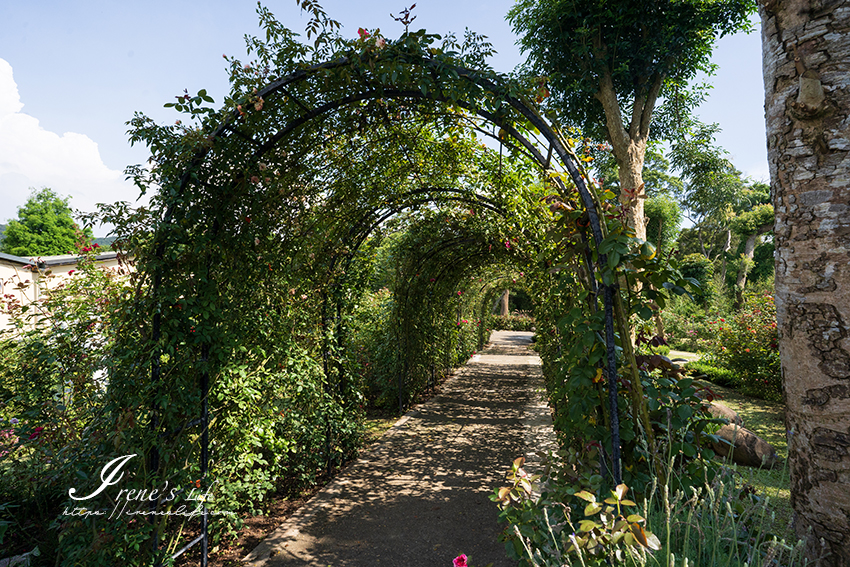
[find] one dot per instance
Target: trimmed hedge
(511, 323)
(719, 376)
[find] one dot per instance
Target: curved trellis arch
(373, 218)
(273, 118)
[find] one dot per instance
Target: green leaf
(585, 495)
(587, 525)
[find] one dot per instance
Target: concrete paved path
(420, 496)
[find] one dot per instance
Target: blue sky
(73, 72)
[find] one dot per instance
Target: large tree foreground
(806, 50)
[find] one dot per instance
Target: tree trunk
(659, 324)
(629, 145)
(806, 46)
(746, 261)
(726, 248)
(506, 302)
(632, 195)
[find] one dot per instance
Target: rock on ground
(747, 448)
(720, 410)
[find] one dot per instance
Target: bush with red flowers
(748, 344)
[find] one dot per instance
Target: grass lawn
(689, 356)
(374, 427)
(767, 420)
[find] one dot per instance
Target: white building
(25, 279)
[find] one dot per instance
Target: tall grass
(723, 523)
(720, 524)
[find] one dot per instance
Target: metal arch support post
(205, 454)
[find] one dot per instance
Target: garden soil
(420, 496)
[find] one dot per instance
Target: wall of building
(25, 280)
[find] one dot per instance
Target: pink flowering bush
(686, 326)
(8, 441)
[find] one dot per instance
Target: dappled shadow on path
(420, 497)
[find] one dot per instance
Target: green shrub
(686, 328)
(373, 359)
(663, 350)
(686, 321)
(53, 388)
(712, 373)
(553, 521)
(67, 408)
(763, 266)
(701, 269)
(375, 333)
(516, 322)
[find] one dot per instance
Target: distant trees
(44, 227)
(721, 203)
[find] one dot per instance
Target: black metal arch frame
(427, 256)
(280, 88)
(375, 217)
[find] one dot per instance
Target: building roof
(47, 261)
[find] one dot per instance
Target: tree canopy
(610, 62)
(44, 227)
(592, 51)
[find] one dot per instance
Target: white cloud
(31, 156)
(10, 100)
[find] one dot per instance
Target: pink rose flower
(460, 561)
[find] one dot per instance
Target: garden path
(420, 496)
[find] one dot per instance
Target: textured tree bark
(506, 302)
(806, 56)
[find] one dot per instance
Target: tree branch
(638, 108)
(649, 105)
(613, 117)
